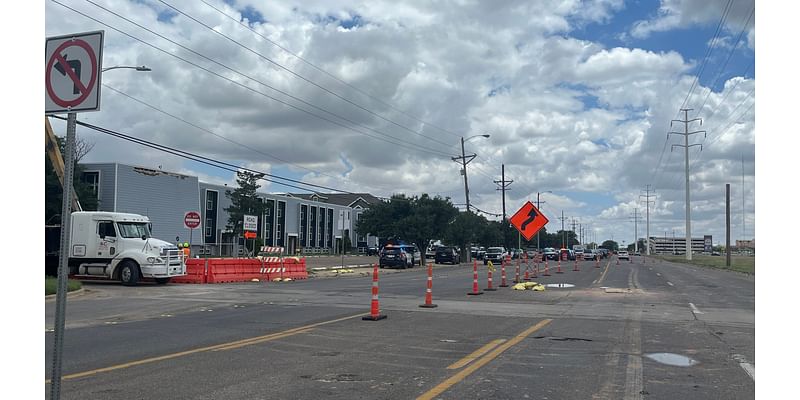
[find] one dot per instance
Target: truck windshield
(133, 229)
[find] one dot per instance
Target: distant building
(677, 245)
(304, 223)
(746, 244)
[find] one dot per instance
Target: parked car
(623, 255)
(589, 254)
(477, 252)
(531, 253)
(447, 254)
(550, 253)
(402, 256)
(372, 251)
(567, 254)
(495, 255)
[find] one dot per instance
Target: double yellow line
(501, 344)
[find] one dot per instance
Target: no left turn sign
(72, 72)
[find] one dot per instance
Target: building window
(266, 230)
(279, 212)
(92, 179)
(208, 231)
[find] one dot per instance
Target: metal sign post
(72, 84)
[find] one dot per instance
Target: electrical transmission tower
(503, 187)
(647, 201)
(686, 146)
(636, 217)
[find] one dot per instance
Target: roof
(342, 199)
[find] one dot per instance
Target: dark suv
(446, 254)
(395, 257)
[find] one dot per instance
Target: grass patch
(51, 285)
(744, 264)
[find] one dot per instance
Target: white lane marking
(670, 283)
(746, 366)
(657, 273)
(694, 309)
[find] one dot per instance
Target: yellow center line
(477, 353)
(603, 276)
(458, 377)
(222, 346)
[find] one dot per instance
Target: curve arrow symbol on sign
(531, 216)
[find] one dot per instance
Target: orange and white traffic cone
(516, 278)
(576, 265)
(489, 286)
(503, 275)
(546, 269)
(375, 312)
(559, 267)
(597, 262)
(475, 290)
(428, 291)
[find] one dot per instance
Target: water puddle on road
(673, 359)
(559, 285)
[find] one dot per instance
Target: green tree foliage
(244, 200)
(465, 229)
(413, 219)
(610, 245)
(52, 186)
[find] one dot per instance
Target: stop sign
(191, 219)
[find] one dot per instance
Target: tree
(414, 219)
(466, 228)
(244, 200)
(610, 245)
(52, 186)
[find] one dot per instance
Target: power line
(309, 63)
(202, 159)
(146, 104)
(298, 75)
(402, 144)
(708, 54)
(728, 59)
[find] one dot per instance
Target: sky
(577, 97)
(375, 96)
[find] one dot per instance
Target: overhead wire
(204, 160)
(398, 143)
(273, 62)
(312, 65)
(146, 104)
(727, 60)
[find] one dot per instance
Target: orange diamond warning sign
(528, 220)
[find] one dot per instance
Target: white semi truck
(118, 246)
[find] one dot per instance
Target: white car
(623, 255)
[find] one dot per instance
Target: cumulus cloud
(565, 114)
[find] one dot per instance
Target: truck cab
(119, 246)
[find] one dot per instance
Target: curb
(317, 269)
(69, 294)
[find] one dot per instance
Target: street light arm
(141, 68)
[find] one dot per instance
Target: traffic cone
(527, 277)
(617, 260)
(489, 286)
(546, 269)
(503, 275)
(428, 294)
(535, 270)
(559, 267)
(475, 290)
(375, 313)
(596, 262)
(576, 265)
(516, 278)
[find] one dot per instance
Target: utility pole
(503, 187)
(465, 159)
(563, 237)
(539, 207)
(686, 146)
(647, 201)
(728, 224)
(636, 218)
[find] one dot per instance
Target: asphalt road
(628, 331)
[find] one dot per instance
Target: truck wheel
(129, 273)
(162, 281)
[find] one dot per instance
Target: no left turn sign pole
(72, 84)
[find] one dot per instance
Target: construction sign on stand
(528, 220)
